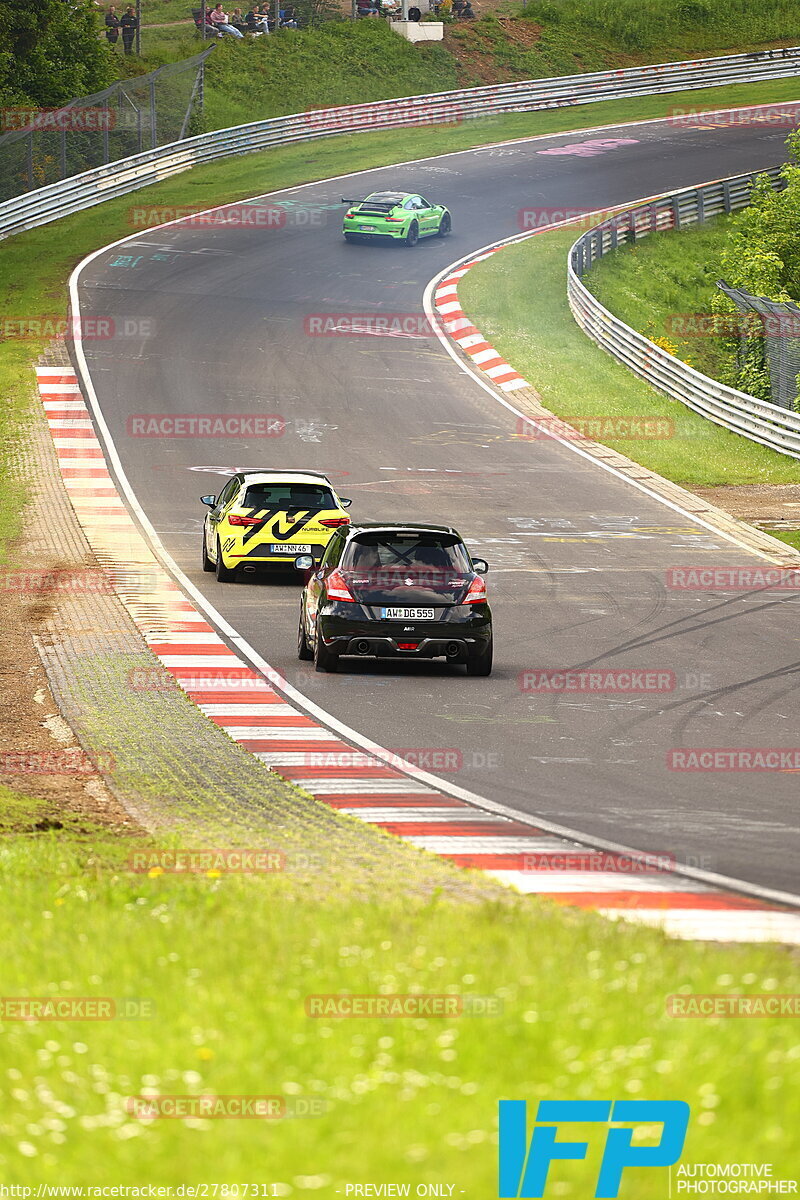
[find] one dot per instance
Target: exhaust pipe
(453, 650)
(361, 647)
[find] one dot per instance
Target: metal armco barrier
(758, 420)
(127, 175)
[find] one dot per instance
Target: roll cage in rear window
(406, 551)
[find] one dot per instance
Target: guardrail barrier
(758, 420)
(127, 175)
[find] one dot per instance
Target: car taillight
(350, 214)
(234, 520)
(476, 592)
(334, 522)
(400, 219)
(337, 587)
(407, 645)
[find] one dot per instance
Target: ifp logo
(524, 1168)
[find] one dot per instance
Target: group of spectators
(257, 20)
(126, 25)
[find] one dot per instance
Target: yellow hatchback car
(266, 518)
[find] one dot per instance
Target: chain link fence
(131, 116)
(774, 331)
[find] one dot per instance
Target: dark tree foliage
(51, 51)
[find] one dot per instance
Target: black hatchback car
(395, 591)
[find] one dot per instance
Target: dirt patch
(40, 760)
(766, 505)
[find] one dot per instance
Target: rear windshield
(288, 495)
(426, 552)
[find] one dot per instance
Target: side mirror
(210, 501)
(345, 503)
(304, 562)
(480, 565)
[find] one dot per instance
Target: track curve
(406, 434)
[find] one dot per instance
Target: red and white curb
(460, 328)
(354, 781)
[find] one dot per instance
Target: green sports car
(403, 216)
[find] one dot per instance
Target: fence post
(676, 213)
(153, 122)
(106, 119)
(29, 156)
(701, 206)
(63, 153)
(138, 26)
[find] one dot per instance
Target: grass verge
(577, 380)
(226, 962)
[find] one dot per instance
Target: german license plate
(407, 614)
(282, 548)
(367, 228)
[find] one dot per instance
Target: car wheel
(324, 659)
(224, 574)
(303, 652)
(444, 226)
(480, 661)
(207, 563)
(412, 237)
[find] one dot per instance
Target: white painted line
(716, 925)
(470, 844)
(540, 882)
(403, 813)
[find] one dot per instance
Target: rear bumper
(454, 639)
(394, 234)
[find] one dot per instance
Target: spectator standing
(219, 20)
(112, 26)
(128, 25)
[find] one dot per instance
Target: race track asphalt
(578, 557)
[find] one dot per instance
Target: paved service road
(577, 556)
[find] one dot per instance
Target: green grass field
(226, 964)
(518, 301)
(228, 961)
(664, 276)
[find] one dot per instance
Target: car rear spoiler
(374, 205)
